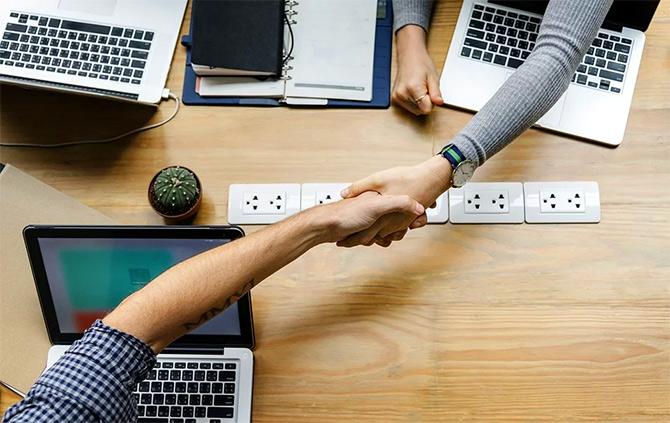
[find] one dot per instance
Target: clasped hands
(415, 187)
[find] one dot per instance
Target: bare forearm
(193, 292)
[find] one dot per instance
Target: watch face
(463, 173)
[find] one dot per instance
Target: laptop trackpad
(96, 7)
(553, 117)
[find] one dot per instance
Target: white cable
(106, 140)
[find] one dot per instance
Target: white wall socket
(487, 202)
(317, 194)
(562, 202)
(440, 213)
(262, 204)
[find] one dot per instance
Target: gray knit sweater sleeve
(411, 12)
(567, 29)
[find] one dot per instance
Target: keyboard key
(511, 42)
(619, 67)
(490, 27)
(199, 375)
(531, 27)
(155, 386)
(511, 32)
(581, 68)
(501, 39)
(501, 30)
(86, 27)
(515, 52)
(180, 365)
(600, 52)
(54, 23)
(532, 37)
(103, 39)
(182, 399)
(524, 17)
(471, 33)
(622, 58)
(158, 399)
(498, 19)
(514, 63)
(226, 375)
(16, 27)
(519, 25)
(224, 400)
(479, 7)
(163, 411)
(192, 388)
(589, 60)
(225, 412)
(211, 374)
(194, 400)
(593, 70)
(611, 55)
(489, 9)
(187, 411)
(615, 90)
(504, 50)
(592, 84)
(622, 48)
(473, 24)
(11, 36)
(470, 42)
(608, 45)
(627, 41)
(602, 35)
(493, 48)
(615, 76)
(205, 388)
(490, 37)
(597, 42)
(487, 17)
(499, 60)
(615, 38)
(466, 52)
(601, 63)
(135, 81)
(117, 32)
(138, 35)
(604, 84)
(509, 21)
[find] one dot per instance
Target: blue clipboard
(381, 81)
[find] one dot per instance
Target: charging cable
(166, 95)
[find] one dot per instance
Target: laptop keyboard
(507, 38)
(75, 48)
(179, 391)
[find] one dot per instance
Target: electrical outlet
(562, 202)
(317, 194)
(487, 202)
(261, 204)
(440, 213)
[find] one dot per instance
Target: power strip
(476, 203)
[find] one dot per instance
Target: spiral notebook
(332, 50)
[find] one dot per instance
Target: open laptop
(119, 49)
(81, 273)
(493, 38)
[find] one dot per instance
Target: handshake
(381, 208)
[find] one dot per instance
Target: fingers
(434, 90)
(359, 187)
(419, 222)
(386, 204)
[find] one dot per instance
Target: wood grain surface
(457, 322)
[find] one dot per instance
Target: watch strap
(453, 154)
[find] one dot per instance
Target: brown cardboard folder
(23, 339)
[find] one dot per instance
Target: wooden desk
(456, 323)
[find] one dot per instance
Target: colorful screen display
(88, 277)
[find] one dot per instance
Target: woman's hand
(417, 86)
(423, 182)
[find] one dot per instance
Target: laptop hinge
(612, 27)
(194, 351)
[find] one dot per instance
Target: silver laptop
(119, 49)
(493, 38)
(82, 272)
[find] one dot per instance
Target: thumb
(434, 90)
(386, 204)
(358, 187)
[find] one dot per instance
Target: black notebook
(238, 37)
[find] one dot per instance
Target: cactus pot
(171, 213)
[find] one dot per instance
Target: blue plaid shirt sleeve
(92, 382)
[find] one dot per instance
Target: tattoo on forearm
(211, 313)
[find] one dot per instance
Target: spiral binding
(289, 10)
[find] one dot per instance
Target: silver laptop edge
(582, 111)
(162, 18)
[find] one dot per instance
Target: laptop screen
(88, 277)
(82, 273)
(635, 14)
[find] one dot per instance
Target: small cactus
(175, 190)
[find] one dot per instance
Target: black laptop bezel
(620, 14)
(33, 233)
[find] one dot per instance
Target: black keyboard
(188, 392)
(75, 48)
(506, 38)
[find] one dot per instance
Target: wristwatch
(463, 169)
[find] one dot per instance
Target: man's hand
(337, 221)
(424, 182)
(416, 78)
